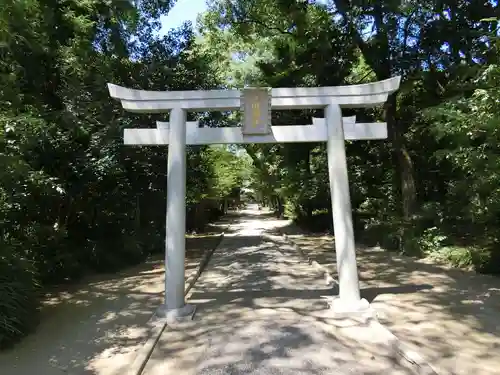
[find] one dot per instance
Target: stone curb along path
(418, 364)
(158, 324)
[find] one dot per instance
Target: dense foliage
(74, 200)
(431, 189)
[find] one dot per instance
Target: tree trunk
(309, 203)
(280, 207)
(404, 177)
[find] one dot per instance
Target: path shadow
(451, 313)
(371, 293)
(96, 327)
(260, 309)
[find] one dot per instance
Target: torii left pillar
(175, 307)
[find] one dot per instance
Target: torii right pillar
(349, 298)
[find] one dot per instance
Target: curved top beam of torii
(352, 96)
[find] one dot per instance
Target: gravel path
(260, 311)
(96, 327)
(450, 316)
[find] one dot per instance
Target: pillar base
(348, 308)
(173, 316)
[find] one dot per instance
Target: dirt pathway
(96, 327)
(450, 316)
(260, 311)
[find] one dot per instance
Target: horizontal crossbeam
(317, 132)
(353, 96)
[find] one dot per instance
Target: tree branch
(342, 7)
(264, 25)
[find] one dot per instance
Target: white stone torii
(333, 129)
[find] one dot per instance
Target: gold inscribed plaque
(256, 106)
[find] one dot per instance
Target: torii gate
(333, 129)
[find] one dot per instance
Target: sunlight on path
(97, 328)
(260, 311)
(450, 316)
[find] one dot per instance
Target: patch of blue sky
(183, 11)
(188, 10)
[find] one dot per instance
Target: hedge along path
(448, 316)
(101, 325)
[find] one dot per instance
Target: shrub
(459, 257)
(55, 257)
(19, 297)
(115, 253)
